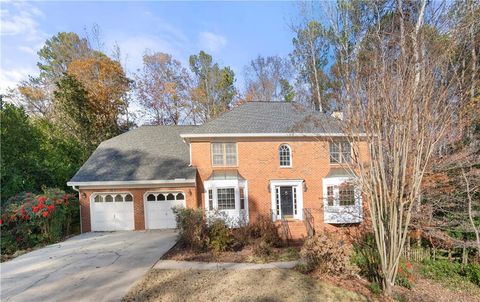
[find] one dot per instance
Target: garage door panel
(158, 209)
(111, 216)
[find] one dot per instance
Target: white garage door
(112, 212)
(158, 209)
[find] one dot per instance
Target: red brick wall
(138, 193)
(258, 163)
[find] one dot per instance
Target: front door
(286, 201)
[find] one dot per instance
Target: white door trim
(298, 184)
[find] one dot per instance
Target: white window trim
(224, 155)
(350, 213)
(298, 183)
(290, 156)
(225, 184)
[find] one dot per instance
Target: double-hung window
(330, 196)
(226, 198)
(210, 199)
(224, 154)
(340, 152)
(346, 195)
(341, 195)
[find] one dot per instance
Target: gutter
(132, 182)
(209, 135)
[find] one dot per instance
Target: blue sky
(233, 32)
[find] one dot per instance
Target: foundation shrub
(265, 230)
(193, 228)
(326, 254)
(220, 237)
(262, 249)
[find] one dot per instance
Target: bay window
(342, 198)
(226, 194)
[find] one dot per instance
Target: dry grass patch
(235, 285)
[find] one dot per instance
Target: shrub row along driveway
(89, 267)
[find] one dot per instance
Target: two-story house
(261, 158)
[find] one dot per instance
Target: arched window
(109, 198)
(285, 156)
(180, 196)
(170, 197)
(128, 198)
(151, 197)
(160, 197)
(119, 198)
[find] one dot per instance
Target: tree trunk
(318, 104)
(469, 209)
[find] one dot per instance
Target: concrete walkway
(89, 267)
(190, 265)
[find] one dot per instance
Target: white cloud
(21, 19)
(20, 30)
(211, 42)
(164, 37)
(10, 78)
(134, 47)
(28, 49)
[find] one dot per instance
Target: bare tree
(310, 56)
(398, 98)
(265, 76)
(163, 89)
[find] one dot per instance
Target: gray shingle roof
(339, 172)
(146, 153)
(159, 153)
(270, 117)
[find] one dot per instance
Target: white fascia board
(132, 183)
(208, 135)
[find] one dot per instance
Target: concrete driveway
(89, 267)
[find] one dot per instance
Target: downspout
(79, 207)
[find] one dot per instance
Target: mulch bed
(180, 253)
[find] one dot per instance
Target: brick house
(261, 158)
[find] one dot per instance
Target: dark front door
(286, 201)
